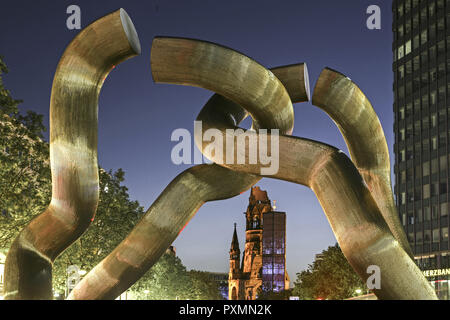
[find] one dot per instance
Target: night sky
(137, 116)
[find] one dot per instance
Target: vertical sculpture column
(79, 77)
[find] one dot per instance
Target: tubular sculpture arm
(353, 213)
(73, 154)
(182, 198)
(347, 105)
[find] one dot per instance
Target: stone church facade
(245, 280)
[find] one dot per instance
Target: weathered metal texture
(355, 117)
(182, 198)
(353, 213)
(73, 154)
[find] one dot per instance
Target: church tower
(263, 266)
(235, 283)
(259, 203)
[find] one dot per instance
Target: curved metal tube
(347, 105)
(354, 216)
(73, 154)
(353, 213)
(182, 198)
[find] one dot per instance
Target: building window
(440, 25)
(443, 188)
(416, 63)
(424, 57)
(419, 238)
(426, 191)
(441, 48)
(426, 169)
(423, 37)
(423, 15)
(427, 236)
(427, 214)
(407, 47)
(443, 162)
(433, 120)
(425, 122)
(434, 212)
(434, 143)
(445, 234)
(411, 237)
(444, 209)
(401, 53)
(400, 11)
(419, 216)
(436, 237)
(433, 97)
(401, 72)
(434, 166)
(416, 42)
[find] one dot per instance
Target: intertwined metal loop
(355, 194)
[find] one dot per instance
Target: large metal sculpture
(355, 194)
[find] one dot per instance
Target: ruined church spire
(235, 241)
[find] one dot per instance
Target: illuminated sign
(437, 272)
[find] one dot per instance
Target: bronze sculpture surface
(355, 194)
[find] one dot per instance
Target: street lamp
(358, 291)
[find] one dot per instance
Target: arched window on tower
(255, 223)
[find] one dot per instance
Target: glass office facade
(421, 124)
(274, 251)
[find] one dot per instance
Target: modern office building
(263, 267)
(422, 147)
(274, 274)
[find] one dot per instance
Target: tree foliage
(204, 287)
(271, 295)
(25, 179)
(168, 279)
(329, 277)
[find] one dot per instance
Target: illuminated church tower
(246, 281)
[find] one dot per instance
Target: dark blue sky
(137, 117)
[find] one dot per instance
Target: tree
(166, 280)
(329, 277)
(271, 295)
(204, 287)
(25, 177)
